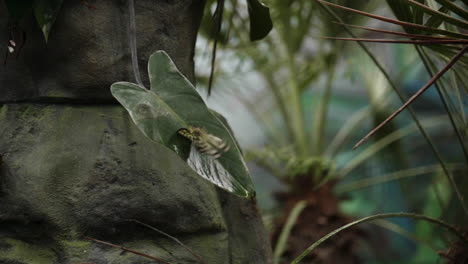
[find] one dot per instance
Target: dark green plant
(439, 30)
(436, 30)
(172, 104)
(45, 12)
(294, 145)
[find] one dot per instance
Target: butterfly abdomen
(204, 142)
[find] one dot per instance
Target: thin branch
(418, 42)
(171, 237)
(393, 176)
(404, 233)
(441, 223)
(403, 34)
(398, 22)
(127, 249)
(416, 95)
(425, 60)
(454, 8)
(218, 17)
(133, 45)
(394, 87)
(438, 14)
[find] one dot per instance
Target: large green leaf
(172, 104)
(260, 20)
(46, 12)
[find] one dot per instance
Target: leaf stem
(171, 237)
(285, 232)
(416, 95)
(426, 62)
(127, 249)
(321, 114)
(132, 43)
(380, 216)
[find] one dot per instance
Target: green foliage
(292, 63)
(287, 166)
(295, 145)
(45, 11)
(172, 104)
(285, 232)
(260, 20)
(438, 222)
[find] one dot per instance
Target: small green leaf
(17, 9)
(260, 20)
(440, 15)
(46, 12)
(435, 21)
(172, 104)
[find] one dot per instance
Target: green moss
(76, 249)
(82, 244)
(27, 253)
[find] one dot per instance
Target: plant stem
(318, 136)
(426, 61)
(270, 80)
(171, 237)
(295, 105)
(434, 78)
(394, 87)
(447, 173)
(279, 100)
(297, 114)
(132, 43)
(285, 232)
(128, 250)
(384, 142)
(380, 216)
(393, 176)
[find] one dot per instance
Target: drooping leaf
(409, 27)
(435, 21)
(172, 104)
(17, 9)
(418, 14)
(260, 20)
(440, 15)
(46, 12)
(457, 9)
(401, 10)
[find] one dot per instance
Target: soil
(458, 252)
(319, 217)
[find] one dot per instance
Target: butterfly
(204, 142)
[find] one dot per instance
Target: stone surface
(81, 170)
(88, 49)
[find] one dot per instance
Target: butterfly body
(204, 142)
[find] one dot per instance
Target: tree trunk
(75, 165)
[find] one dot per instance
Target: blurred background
(298, 102)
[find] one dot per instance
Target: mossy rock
(71, 171)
